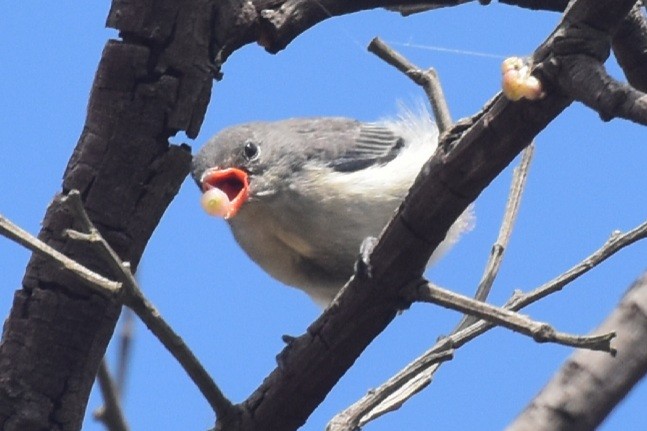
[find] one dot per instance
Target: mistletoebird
(300, 195)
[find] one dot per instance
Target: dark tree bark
(144, 91)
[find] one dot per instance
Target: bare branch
(590, 385)
(115, 386)
(112, 414)
(124, 350)
(90, 279)
(539, 331)
(427, 79)
(517, 187)
(404, 387)
(135, 299)
(616, 242)
(629, 45)
(587, 80)
(281, 21)
(348, 419)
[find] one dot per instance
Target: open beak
(231, 181)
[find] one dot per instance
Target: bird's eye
(251, 151)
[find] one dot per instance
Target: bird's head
(240, 164)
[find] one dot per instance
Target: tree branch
(127, 291)
(469, 157)
(629, 45)
(349, 419)
(576, 66)
(112, 414)
(539, 331)
(274, 24)
(399, 390)
(513, 203)
(144, 91)
(115, 386)
(427, 79)
(590, 385)
(133, 297)
(402, 386)
(587, 80)
(90, 279)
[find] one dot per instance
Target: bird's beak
(233, 182)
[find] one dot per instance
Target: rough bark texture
(630, 47)
(145, 90)
(590, 384)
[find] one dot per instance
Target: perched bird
(301, 195)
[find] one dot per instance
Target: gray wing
(343, 144)
(373, 145)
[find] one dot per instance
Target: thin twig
(125, 343)
(427, 79)
(539, 331)
(517, 186)
(367, 408)
(519, 300)
(111, 414)
(123, 355)
(134, 298)
(383, 392)
(98, 283)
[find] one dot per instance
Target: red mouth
(234, 182)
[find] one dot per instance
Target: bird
(300, 195)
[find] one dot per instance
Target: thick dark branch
(576, 66)
(57, 331)
(282, 21)
(554, 5)
(630, 48)
(273, 24)
(587, 80)
(276, 23)
(591, 384)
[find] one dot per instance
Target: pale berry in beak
(215, 202)
(224, 191)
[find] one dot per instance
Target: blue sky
(587, 180)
